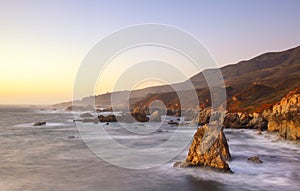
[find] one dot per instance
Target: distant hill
(254, 84)
(251, 85)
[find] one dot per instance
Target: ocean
(55, 157)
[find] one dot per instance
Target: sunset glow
(42, 43)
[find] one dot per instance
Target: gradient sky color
(42, 42)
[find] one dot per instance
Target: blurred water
(53, 157)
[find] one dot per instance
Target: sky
(43, 42)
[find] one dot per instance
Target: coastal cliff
(285, 116)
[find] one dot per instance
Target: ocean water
(54, 157)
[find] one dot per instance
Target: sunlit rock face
(285, 116)
(209, 148)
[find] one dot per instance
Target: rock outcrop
(125, 117)
(209, 148)
(285, 116)
(245, 121)
(236, 120)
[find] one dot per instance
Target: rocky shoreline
(283, 118)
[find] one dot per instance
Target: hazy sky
(42, 42)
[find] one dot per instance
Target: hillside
(251, 85)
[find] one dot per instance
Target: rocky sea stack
(209, 148)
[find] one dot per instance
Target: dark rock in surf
(39, 123)
(109, 118)
(255, 159)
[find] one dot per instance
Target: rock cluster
(126, 117)
(237, 120)
(209, 148)
(245, 121)
(285, 116)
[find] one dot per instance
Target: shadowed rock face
(239, 120)
(209, 148)
(245, 121)
(109, 118)
(285, 116)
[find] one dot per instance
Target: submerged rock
(255, 159)
(171, 122)
(209, 148)
(39, 123)
(259, 132)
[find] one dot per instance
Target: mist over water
(54, 157)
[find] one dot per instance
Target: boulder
(155, 116)
(71, 137)
(140, 117)
(171, 122)
(257, 122)
(39, 123)
(209, 148)
(109, 118)
(255, 159)
(237, 120)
